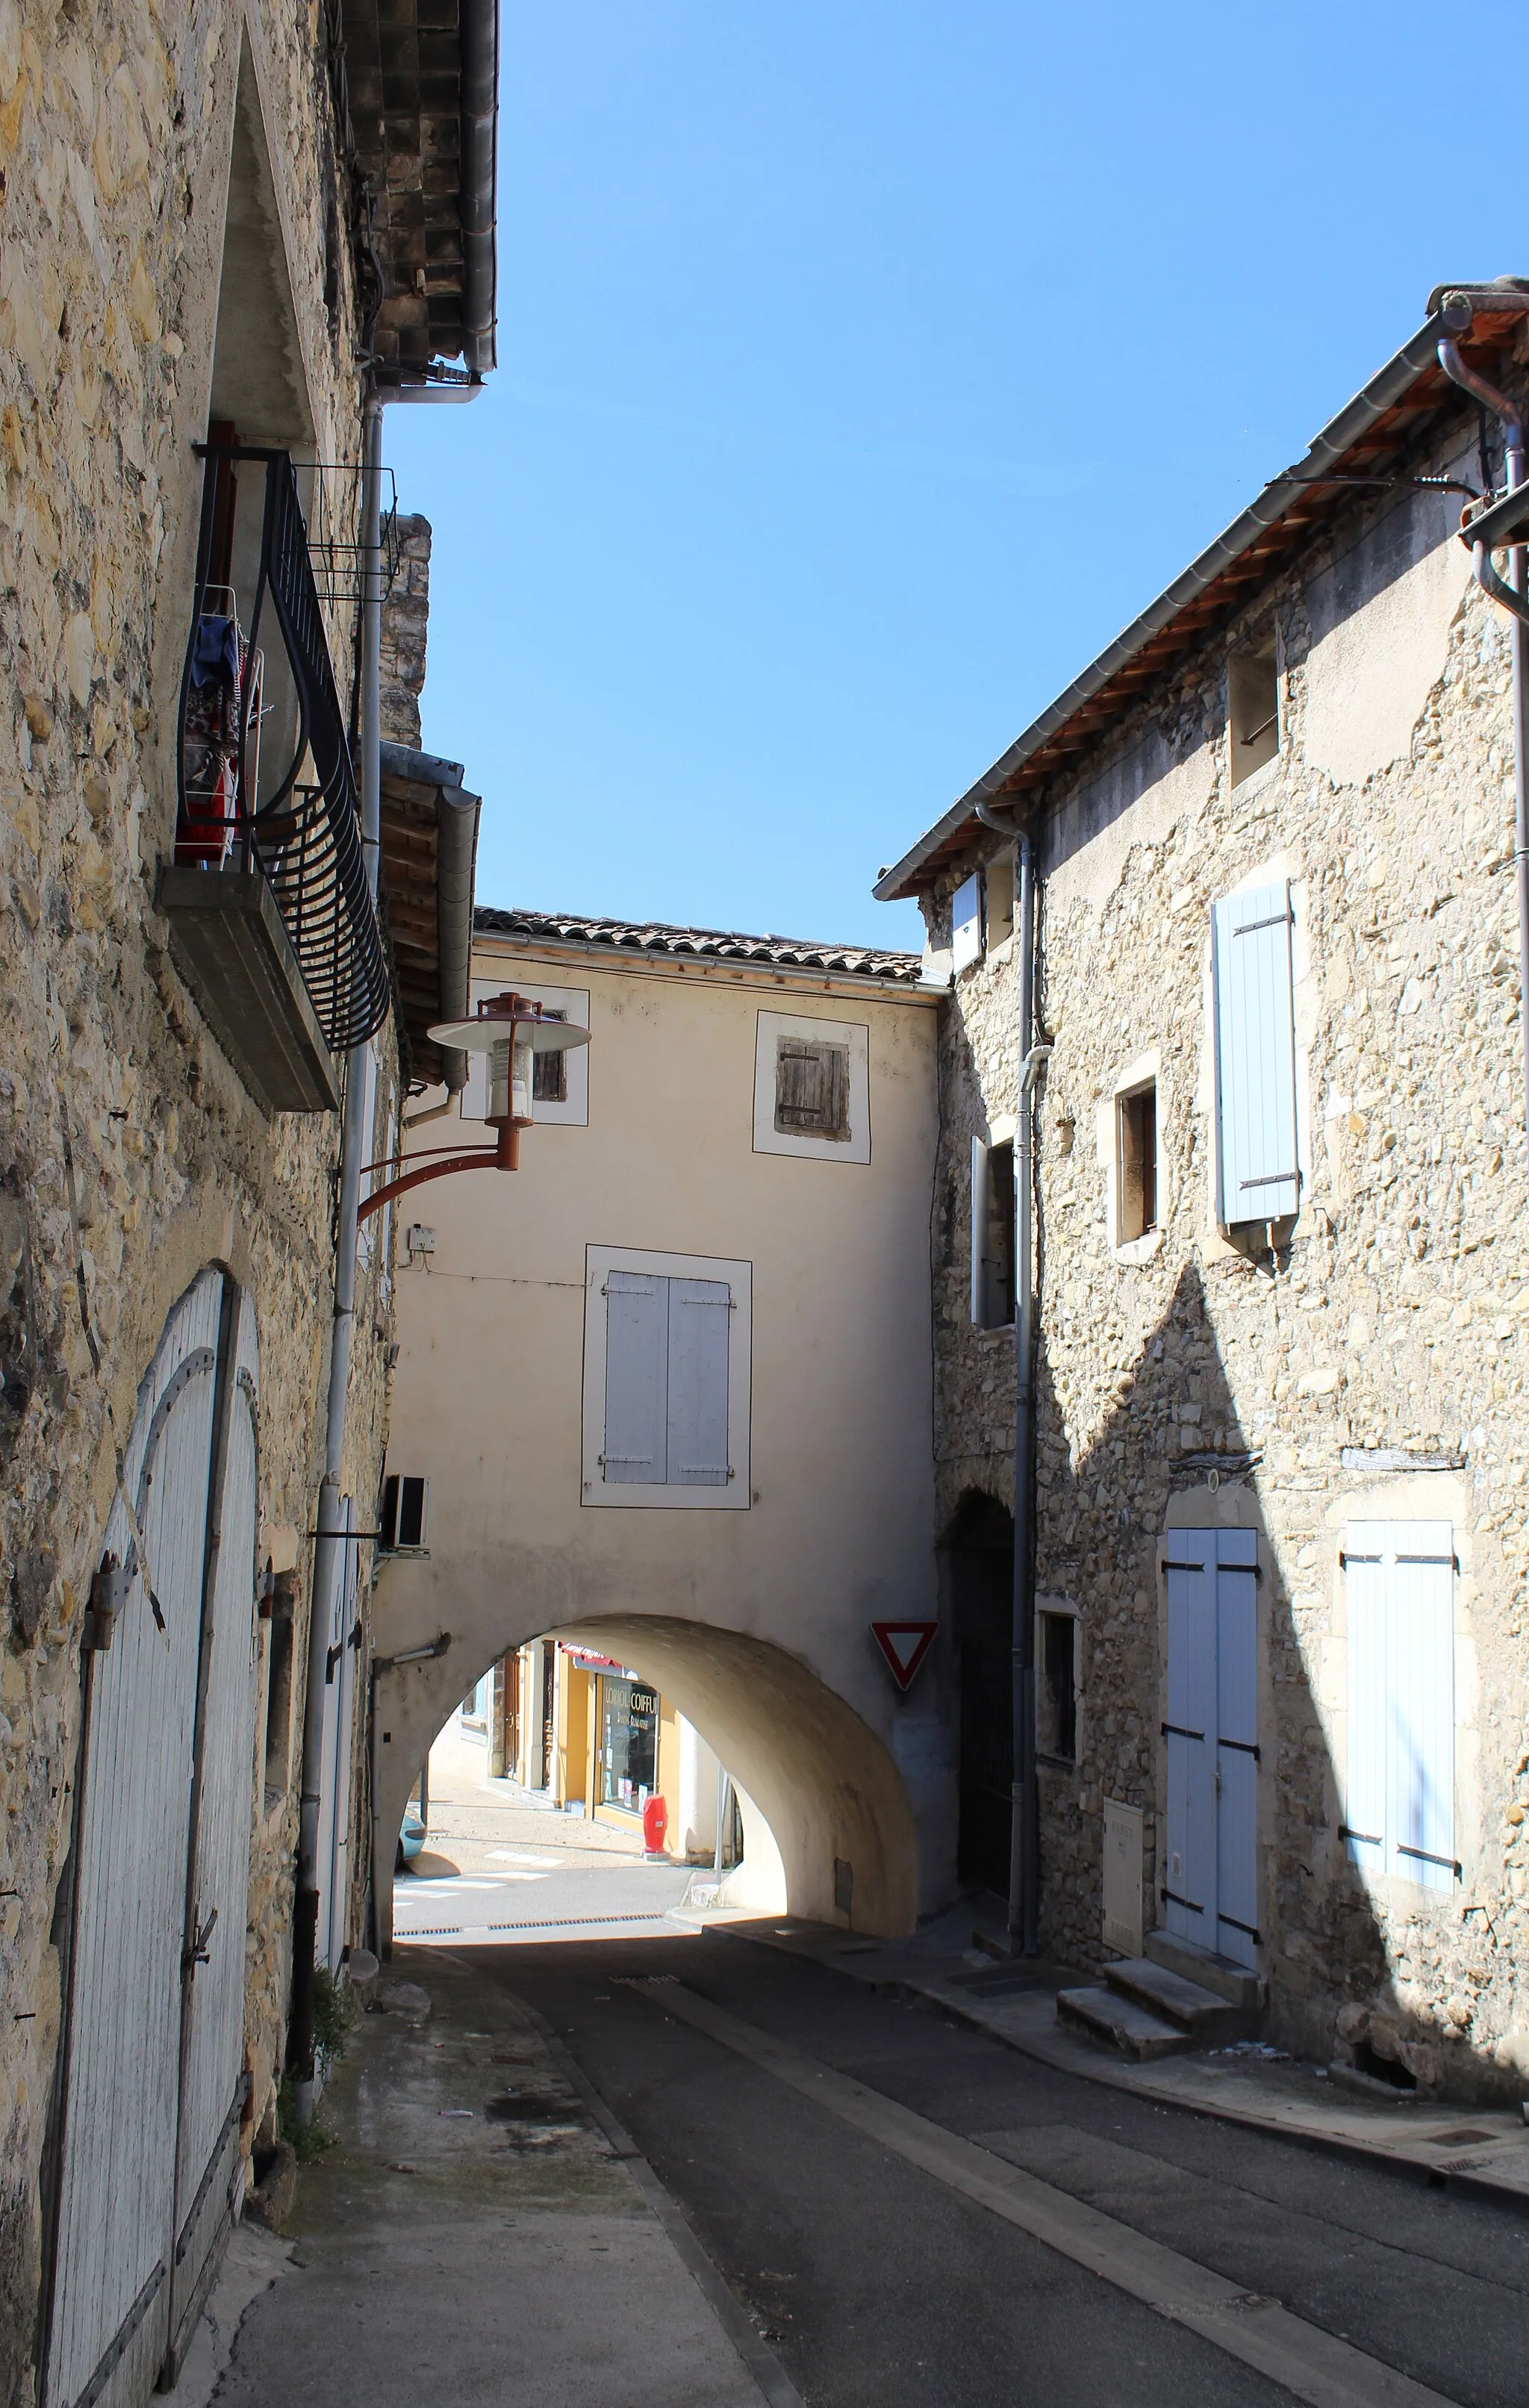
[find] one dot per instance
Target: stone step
(1131, 2031)
(1204, 2014)
(1238, 1985)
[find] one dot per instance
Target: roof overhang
(423, 86)
(1362, 441)
(429, 853)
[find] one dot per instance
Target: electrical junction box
(420, 1238)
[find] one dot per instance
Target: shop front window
(629, 1742)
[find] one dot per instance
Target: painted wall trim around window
(854, 1038)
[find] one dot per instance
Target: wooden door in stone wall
(162, 1810)
(213, 2076)
(1209, 1885)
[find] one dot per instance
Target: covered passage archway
(821, 1779)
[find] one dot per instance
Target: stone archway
(822, 1781)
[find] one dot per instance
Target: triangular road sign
(904, 1645)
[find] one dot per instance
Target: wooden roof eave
(1365, 437)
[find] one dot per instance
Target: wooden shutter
(1191, 1733)
(979, 1232)
(1399, 1808)
(1255, 1056)
(700, 1319)
(1364, 1782)
(1419, 1770)
(812, 1088)
(966, 922)
(636, 1378)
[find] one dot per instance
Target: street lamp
(512, 1031)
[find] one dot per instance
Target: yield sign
(904, 1645)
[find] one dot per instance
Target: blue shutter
(966, 923)
(699, 1320)
(1255, 1056)
(1190, 1873)
(1399, 1810)
(636, 1377)
(1364, 1782)
(1420, 1701)
(1236, 1742)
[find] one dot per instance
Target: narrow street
(500, 1862)
(901, 2208)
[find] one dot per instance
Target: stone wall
(115, 132)
(1183, 1380)
(405, 617)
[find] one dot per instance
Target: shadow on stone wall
(1171, 1452)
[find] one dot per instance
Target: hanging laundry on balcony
(222, 693)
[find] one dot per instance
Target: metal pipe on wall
(1512, 421)
(331, 1536)
(1024, 1838)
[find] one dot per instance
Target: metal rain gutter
(1381, 393)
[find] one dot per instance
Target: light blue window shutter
(1421, 1662)
(966, 923)
(699, 1324)
(1190, 1872)
(1255, 1056)
(1365, 1583)
(636, 1377)
(1237, 1748)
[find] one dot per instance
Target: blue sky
(863, 369)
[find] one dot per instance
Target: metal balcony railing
(296, 820)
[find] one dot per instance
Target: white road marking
(1314, 2365)
(519, 1857)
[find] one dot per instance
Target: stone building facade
(406, 623)
(1341, 1379)
(179, 193)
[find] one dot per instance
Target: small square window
(998, 882)
(1136, 1163)
(404, 1522)
(1056, 1693)
(812, 1089)
(992, 1234)
(1253, 696)
(279, 1690)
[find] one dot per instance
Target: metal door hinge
(195, 1951)
(109, 1589)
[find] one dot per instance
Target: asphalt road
(877, 2280)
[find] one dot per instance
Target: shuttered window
(403, 1521)
(1399, 1787)
(1258, 1175)
(992, 1234)
(812, 1089)
(666, 1380)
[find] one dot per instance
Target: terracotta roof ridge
(660, 936)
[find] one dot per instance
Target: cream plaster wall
(779, 1669)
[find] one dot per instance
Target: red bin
(655, 1825)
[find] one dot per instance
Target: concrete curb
(1482, 2153)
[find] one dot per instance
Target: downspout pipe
(331, 1537)
(1024, 1840)
(1513, 595)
